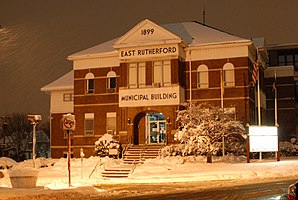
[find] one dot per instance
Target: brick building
(132, 86)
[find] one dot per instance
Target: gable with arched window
(111, 81)
(202, 76)
(229, 75)
(89, 83)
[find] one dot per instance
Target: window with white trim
(111, 81)
(229, 75)
(162, 73)
(136, 75)
(89, 124)
(89, 80)
(203, 80)
(111, 121)
(68, 97)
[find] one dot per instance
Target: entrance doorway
(155, 128)
(149, 128)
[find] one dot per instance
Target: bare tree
(18, 136)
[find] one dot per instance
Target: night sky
(36, 36)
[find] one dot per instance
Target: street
(200, 190)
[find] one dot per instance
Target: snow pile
(27, 171)
(167, 169)
(6, 163)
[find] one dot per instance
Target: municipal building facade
(132, 86)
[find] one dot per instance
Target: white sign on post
(69, 122)
(263, 139)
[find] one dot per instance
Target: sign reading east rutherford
(150, 97)
(148, 51)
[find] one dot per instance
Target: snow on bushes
(106, 142)
(202, 128)
(236, 148)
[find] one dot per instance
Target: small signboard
(69, 122)
(263, 139)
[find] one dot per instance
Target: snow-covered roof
(63, 83)
(104, 48)
(197, 34)
(193, 33)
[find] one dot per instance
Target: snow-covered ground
(169, 169)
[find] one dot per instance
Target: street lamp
(34, 119)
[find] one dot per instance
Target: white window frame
(137, 75)
(109, 127)
(162, 73)
(89, 117)
(229, 75)
(202, 77)
(88, 78)
(67, 97)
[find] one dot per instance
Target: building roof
(192, 33)
(197, 34)
(63, 83)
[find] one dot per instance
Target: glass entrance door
(156, 128)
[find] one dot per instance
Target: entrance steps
(137, 154)
(121, 171)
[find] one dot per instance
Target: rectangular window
(203, 79)
(162, 73)
(112, 82)
(229, 79)
(281, 60)
(136, 75)
(90, 86)
(68, 97)
(89, 123)
(296, 62)
(290, 59)
(111, 121)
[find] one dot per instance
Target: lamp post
(34, 119)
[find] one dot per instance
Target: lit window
(89, 123)
(89, 83)
(202, 76)
(111, 121)
(68, 97)
(229, 75)
(162, 73)
(136, 75)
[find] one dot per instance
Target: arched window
(111, 81)
(203, 79)
(89, 80)
(229, 75)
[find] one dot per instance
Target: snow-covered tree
(203, 125)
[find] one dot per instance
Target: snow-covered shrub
(231, 148)
(288, 148)
(106, 142)
(202, 128)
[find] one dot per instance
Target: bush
(106, 142)
(236, 148)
